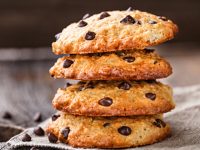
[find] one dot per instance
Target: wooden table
(27, 88)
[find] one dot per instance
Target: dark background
(33, 23)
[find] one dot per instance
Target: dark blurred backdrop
(33, 23)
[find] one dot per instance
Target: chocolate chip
(34, 148)
(124, 86)
(67, 63)
(130, 9)
(26, 138)
(37, 117)
(86, 16)
(82, 23)
(147, 51)
(7, 115)
(52, 75)
(124, 130)
(52, 138)
(159, 123)
(54, 117)
(57, 36)
(152, 22)
(155, 62)
(104, 15)
(67, 84)
(163, 18)
(139, 22)
(150, 96)
(106, 124)
(38, 131)
(106, 101)
(129, 59)
(65, 132)
(128, 20)
(90, 35)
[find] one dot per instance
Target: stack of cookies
(118, 103)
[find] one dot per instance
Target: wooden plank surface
(27, 88)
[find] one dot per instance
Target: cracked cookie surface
(124, 65)
(110, 132)
(116, 30)
(114, 98)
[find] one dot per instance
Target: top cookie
(114, 30)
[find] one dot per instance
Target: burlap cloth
(185, 122)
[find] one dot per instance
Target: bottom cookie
(108, 132)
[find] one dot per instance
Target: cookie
(114, 30)
(124, 65)
(110, 132)
(114, 98)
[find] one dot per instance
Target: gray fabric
(185, 122)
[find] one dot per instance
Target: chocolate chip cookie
(114, 98)
(114, 30)
(125, 65)
(108, 132)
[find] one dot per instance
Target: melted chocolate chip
(90, 35)
(130, 9)
(129, 59)
(67, 63)
(82, 23)
(124, 86)
(52, 138)
(155, 62)
(104, 15)
(124, 130)
(7, 115)
(55, 117)
(163, 18)
(159, 123)
(150, 96)
(86, 16)
(139, 22)
(39, 131)
(106, 124)
(106, 101)
(52, 75)
(128, 20)
(26, 138)
(152, 22)
(37, 117)
(65, 132)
